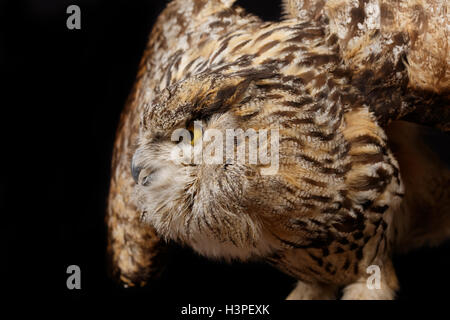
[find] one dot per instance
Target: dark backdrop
(62, 93)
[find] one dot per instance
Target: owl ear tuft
(223, 92)
(226, 91)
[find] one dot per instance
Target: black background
(62, 94)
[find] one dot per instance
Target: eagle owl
(331, 77)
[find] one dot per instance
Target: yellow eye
(196, 133)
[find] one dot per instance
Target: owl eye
(195, 132)
(147, 179)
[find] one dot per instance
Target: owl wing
(398, 53)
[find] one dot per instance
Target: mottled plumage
(330, 76)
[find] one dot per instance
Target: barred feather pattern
(329, 76)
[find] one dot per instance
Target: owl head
(191, 185)
(205, 169)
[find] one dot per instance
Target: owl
(323, 89)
